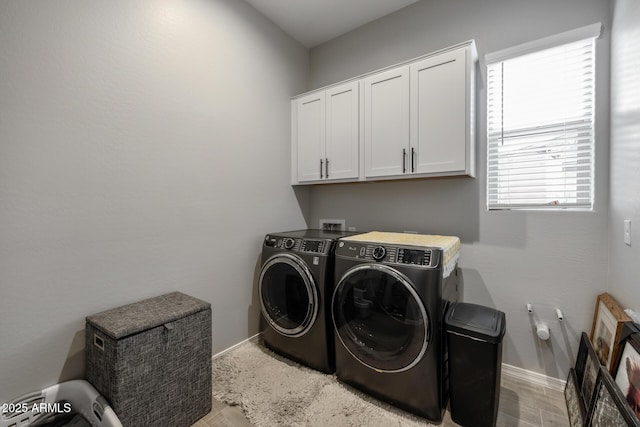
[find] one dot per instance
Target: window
(540, 115)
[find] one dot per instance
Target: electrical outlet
(332, 224)
(627, 232)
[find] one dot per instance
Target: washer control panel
(297, 245)
(388, 254)
(414, 256)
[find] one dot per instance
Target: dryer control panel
(316, 246)
(394, 254)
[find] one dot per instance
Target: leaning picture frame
(609, 407)
(575, 405)
(608, 319)
(581, 359)
(627, 376)
(628, 329)
(589, 375)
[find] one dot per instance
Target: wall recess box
(332, 224)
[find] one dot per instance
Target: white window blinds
(540, 138)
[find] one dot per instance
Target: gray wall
(143, 149)
(625, 152)
(550, 259)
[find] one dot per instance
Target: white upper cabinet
(441, 115)
(412, 120)
(325, 128)
(386, 122)
(342, 132)
(310, 136)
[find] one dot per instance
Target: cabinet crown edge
(471, 44)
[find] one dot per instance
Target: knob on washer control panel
(379, 253)
(289, 243)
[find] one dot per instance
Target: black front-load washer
(295, 286)
(388, 309)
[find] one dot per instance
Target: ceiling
(313, 22)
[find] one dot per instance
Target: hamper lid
(476, 321)
(146, 314)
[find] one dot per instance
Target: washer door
(380, 318)
(288, 295)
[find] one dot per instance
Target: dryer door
(288, 295)
(380, 318)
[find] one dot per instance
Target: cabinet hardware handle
(413, 155)
(404, 161)
(326, 168)
(320, 168)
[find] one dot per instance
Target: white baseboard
(253, 338)
(533, 377)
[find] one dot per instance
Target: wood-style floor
(521, 404)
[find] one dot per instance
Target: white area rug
(273, 391)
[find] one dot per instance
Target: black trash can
(474, 337)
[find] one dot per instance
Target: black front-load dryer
(388, 305)
(295, 286)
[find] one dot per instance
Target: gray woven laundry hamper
(152, 360)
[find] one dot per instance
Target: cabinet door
(342, 131)
(386, 122)
(310, 137)
(439, 113)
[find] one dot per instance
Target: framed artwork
(627, 377)
(605, 330)
(590, 375)
(581, 360)
(628, 329)
(575, 404)
(609, 407)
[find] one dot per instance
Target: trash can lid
(476, 321)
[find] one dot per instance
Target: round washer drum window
(380, 318)
(288, 295)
